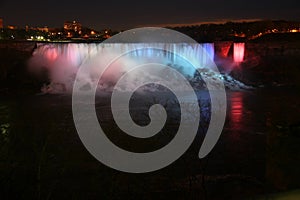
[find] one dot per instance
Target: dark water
(42, 156)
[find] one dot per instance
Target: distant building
(72, 27)
(1, 23)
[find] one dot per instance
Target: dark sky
(117, 14)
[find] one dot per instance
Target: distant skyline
(136, 13)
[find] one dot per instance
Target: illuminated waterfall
(209, 55)
(62, 62)
(75, 54)
(238, 52)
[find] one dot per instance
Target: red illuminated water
(238, 52)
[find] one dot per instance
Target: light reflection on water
(236, 112)
(236, 115)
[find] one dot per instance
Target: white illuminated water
(63, 60)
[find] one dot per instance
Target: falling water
(75, 54)
(63, 60)
(238, 52)
(210, 52)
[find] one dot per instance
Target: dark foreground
(42, 156)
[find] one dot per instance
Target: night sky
(136, 13)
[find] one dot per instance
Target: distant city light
(74, 30)
(294, 31)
